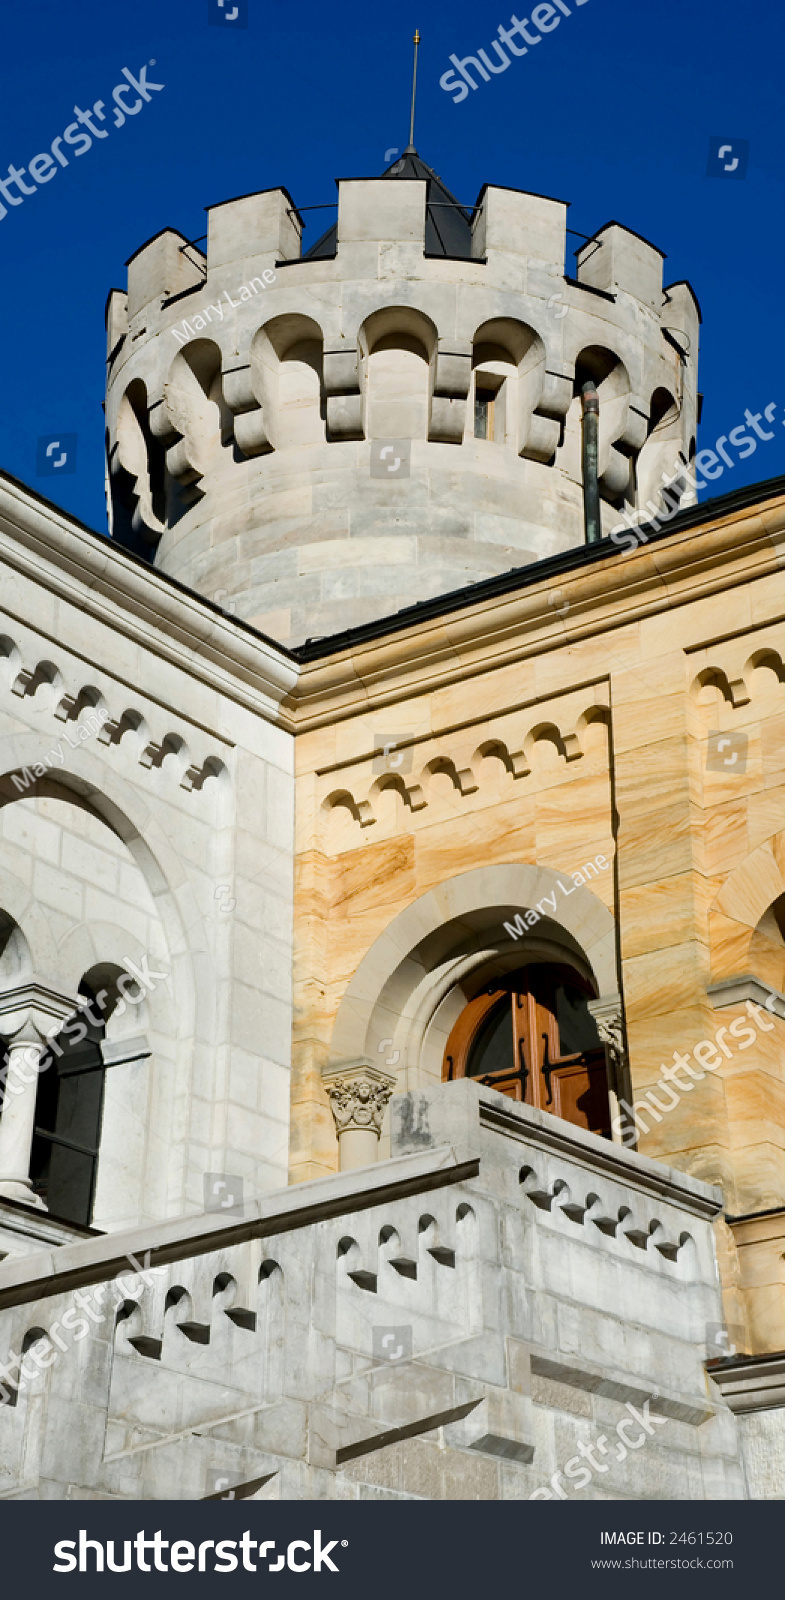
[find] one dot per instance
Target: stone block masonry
(263, 1335)
(202, 317)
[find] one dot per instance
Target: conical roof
(448, 230)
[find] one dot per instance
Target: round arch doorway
(531, 1035)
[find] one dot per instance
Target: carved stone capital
(28, 1011)
(607, 1014)
(359, 1092)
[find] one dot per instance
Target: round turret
(316, 441)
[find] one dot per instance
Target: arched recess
(124, 812)
(162, 933)
(287, 383)
(660, 458)
(198, 414)
(137, 470)
(87, 779)
(623, 423)
(411, 986)
(747, 918)
(509, 375)
(397, 346)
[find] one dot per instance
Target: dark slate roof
(448, 230)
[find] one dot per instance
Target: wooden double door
(533, 1037)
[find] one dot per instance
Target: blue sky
(614, 112)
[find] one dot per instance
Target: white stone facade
(165, 838)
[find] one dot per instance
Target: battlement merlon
(616, 259)
(163, 267)
(259, 228)
(514, 222)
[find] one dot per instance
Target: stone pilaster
(26, 1017)
(607, 1014)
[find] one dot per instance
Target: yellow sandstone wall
(548, 733)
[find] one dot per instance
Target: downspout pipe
(590, 420)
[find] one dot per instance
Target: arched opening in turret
(287, 362)
(199, 413)
(508, 365)
(602, 367)
(397, 347)
(493, 403)
(137, 474)
(660, 481)
(301, 407)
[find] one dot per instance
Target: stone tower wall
(249, 390)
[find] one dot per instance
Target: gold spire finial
(416, 42)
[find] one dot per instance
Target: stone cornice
(100, 578)
(674, 569)
(734, 992)
(751, 1383)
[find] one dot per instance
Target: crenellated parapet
(252, 389)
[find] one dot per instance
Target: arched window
(532, 1036)
(68, 1115)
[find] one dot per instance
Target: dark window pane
(64, 1180)
(577, 1027)
(492, 1049)
(69, 1106)
(79, 1108)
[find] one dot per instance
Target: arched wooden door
(534, 1038)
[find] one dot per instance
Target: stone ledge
(751, 1383)
(612, 1389)
(734, 991)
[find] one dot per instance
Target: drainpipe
(591, 441)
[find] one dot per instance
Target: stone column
(358, 1091)
(607, 1014)
(26, 1013)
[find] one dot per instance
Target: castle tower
(314, 441)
